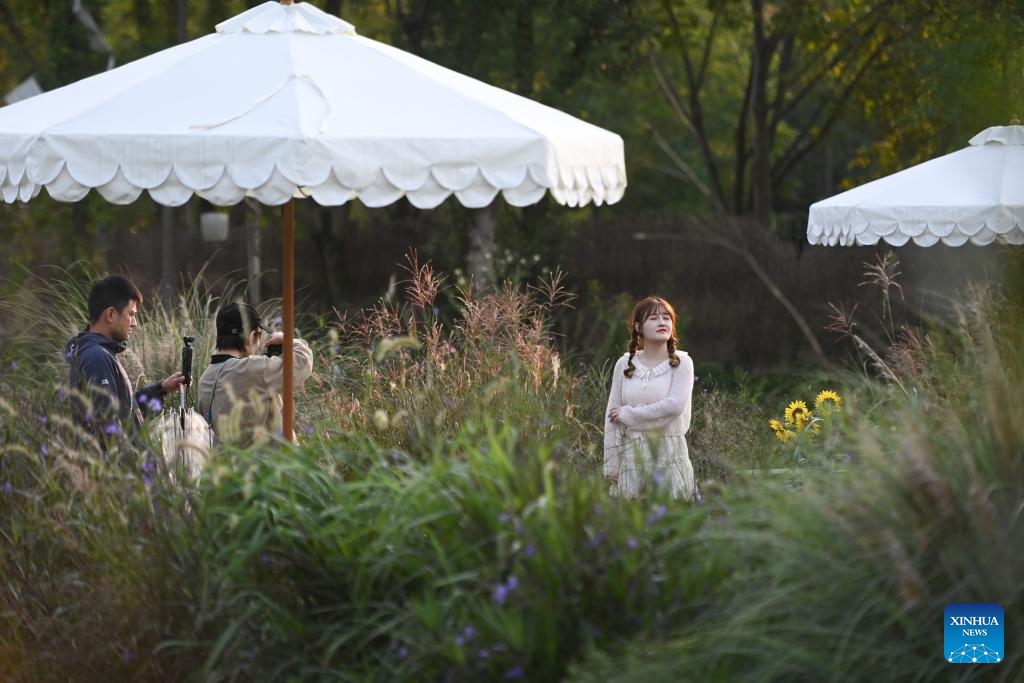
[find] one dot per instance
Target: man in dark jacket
(96, 370)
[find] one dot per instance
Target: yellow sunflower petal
(793, 409)
(827, 397)
(783, 435)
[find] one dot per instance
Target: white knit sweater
(654, 400)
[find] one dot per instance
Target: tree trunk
(329, 235)
(480, 260)
(167, 260)
(761, 173)
(253, 262)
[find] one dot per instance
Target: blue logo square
(974, 633)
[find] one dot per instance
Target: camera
(275, 350)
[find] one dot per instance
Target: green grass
(444, 518)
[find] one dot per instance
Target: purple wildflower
(8, 487)
(482, 653)
(656, 515)
(111, 428)
(43, 419)
(403, 652)
(44, 451)
(68, 354)
(448, 403)
(14, 365)
(88, 416)
(467, 635)
(156, 405)
(148, 468)
(502, 590)
(514, 673)
(503, 517)
(530, 550)
(143, 398)
(308, 430)
(631, 542)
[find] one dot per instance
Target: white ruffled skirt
(653, 460)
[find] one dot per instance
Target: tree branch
(798, 149)
(19, 38)
(684, 168)
(730, 237)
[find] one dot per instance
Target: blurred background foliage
(732, 111)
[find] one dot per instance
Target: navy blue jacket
(97, 372)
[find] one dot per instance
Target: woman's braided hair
(636, 341)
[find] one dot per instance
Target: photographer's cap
(238, 319)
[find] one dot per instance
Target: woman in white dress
(648, 411)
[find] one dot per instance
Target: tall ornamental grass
(443, 517)
(488, 561)
(420, 365)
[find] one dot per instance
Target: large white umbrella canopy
(973, 195)
(287, 101)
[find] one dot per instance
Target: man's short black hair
(113, 290)
(234, 324)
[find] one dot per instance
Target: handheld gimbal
(186, 369)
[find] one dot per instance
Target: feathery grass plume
(884, 274)
(411, 376)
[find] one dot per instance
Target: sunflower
(797, 414)
(828, 401)
(781, 433)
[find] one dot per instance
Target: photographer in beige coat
(240, 392)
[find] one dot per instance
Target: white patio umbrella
(287, 101)
(973, 195)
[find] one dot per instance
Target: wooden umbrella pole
(288, 315)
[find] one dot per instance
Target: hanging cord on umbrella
(252, 107)
(186, 370)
